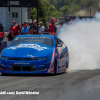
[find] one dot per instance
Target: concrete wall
(3, 15)
(6, 19)
(16, 10)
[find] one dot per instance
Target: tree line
(55, 8)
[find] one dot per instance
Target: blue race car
(34, 54)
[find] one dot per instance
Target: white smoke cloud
(83, 41)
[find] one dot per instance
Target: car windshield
(34, 39)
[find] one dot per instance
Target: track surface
(81, 85)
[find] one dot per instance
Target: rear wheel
(67, 60)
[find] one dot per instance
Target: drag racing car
(34, 54)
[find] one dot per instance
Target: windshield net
(43, 40)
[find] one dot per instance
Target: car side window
(58, 42)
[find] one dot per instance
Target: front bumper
(23, 70)
(21, 67)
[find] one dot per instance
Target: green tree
(67, 10)
(43, 11)
(53, 12)
(74, 7)
(89, 3)
(59, 3)
(64, 9)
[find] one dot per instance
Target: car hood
(27, 50)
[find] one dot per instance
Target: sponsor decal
(3, 65)
(21, 63)
(62, 68)
(30, 56)
(63, 53)
(34, 46)
(57, 53)
(51, 67)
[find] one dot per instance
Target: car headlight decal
(42, 58)
(6, 58)
(23, 59)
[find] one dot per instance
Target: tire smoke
(83, 42)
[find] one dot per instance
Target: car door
(60, 59)
(65, 55)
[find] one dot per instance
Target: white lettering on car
(34, 46)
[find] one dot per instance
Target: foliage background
(59, 8)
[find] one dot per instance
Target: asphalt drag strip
(80, 85)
